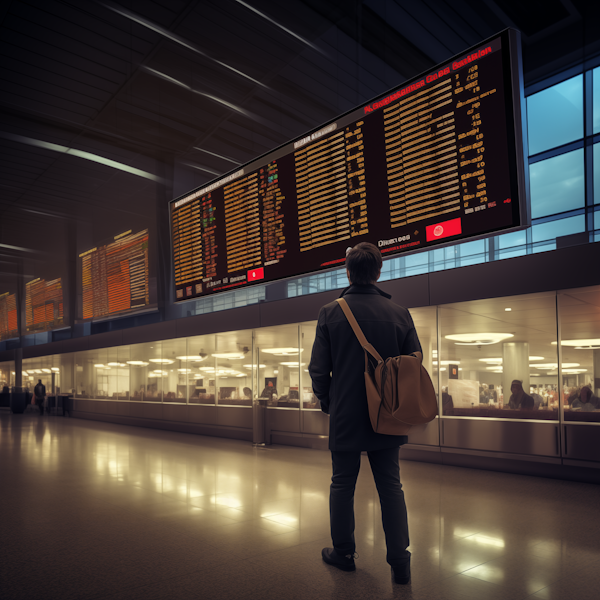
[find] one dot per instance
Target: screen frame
(517, 141)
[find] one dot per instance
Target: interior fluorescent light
(478, 339)
(288, 31)
(491, 360)
(195, 358)
(137, 363)
(229, 355)
(235, 162)
(80, 154)
(574, 343)
(174, 38)
(253, 366)
(162, 361)
(281, 351)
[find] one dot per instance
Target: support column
(515, 365)
(18, 369)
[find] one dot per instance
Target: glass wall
(579, 312)
(281, 360)
(499, 358)
(495, 358)
(7, 376)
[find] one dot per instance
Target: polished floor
(93, 510)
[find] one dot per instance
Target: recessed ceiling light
(137, 363)
(191, 358)
(229, 355)
(282, 351)
(508, 309)
(575, 343)
(162, 361)
(252, 366)
(447, 362)
(550, 366)
(478, 339)
(491, 360)
(292, 364)
(536, 358)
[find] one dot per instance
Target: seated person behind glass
(518, 398)
(537, 400)
(447, 402)
(586, 401)
(269, 391)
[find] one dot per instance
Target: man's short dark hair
(363, 263)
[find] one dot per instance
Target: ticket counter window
(279, 358)
(307, 337)
(7, 376)
(580, 349)
(174, 371)
(200, 362)
(499, 358)
(232, 369)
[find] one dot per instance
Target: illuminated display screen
(436, 161)
(44, 305)
(9, 324)
(115, 276)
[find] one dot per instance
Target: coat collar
(364, 289)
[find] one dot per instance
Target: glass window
(7, 377)
(175, 372)
(596, 174)
(512, 244)
(580, 341)
(555, 115)
(472, 253)
(558, 228)
(557, 184)
(279, 362)
(201, 364)
(596, 99)
(233, 368)
(417, 263)
(486, 348)
(309, 400)
(597, 220)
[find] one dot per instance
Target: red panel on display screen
(429, 163)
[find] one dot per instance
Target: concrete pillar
(18, 369)
(515, 365)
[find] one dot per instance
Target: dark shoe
(402, 573)
(345, 563)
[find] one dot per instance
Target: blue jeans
(386, 472)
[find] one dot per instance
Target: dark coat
(337, 363)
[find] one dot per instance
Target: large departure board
(115, 276)
(9, 324)
(43, 305)
(436, 161)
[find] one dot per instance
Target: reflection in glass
(279, 381)
(503, 376)
(580, 347)
(201, 364)
(233, 379)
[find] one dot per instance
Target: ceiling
(109, 110)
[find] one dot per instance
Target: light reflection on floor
(120, 512)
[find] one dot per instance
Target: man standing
(39, 393)
(336, 368)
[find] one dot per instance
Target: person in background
(269, 391)
(518, 398)
(337, 367)
(447, 402)
(586, 401)
(537, 400)
(39, 394)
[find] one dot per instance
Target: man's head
(39, 381)
(516, 387)
(363, 264)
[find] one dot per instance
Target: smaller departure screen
(115, 276)
(436, 161)
(9, 324)
(44, 309)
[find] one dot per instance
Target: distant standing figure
(39, 393)
(518, 398)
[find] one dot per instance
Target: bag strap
(359, 332)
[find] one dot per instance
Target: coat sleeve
(321, 364)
